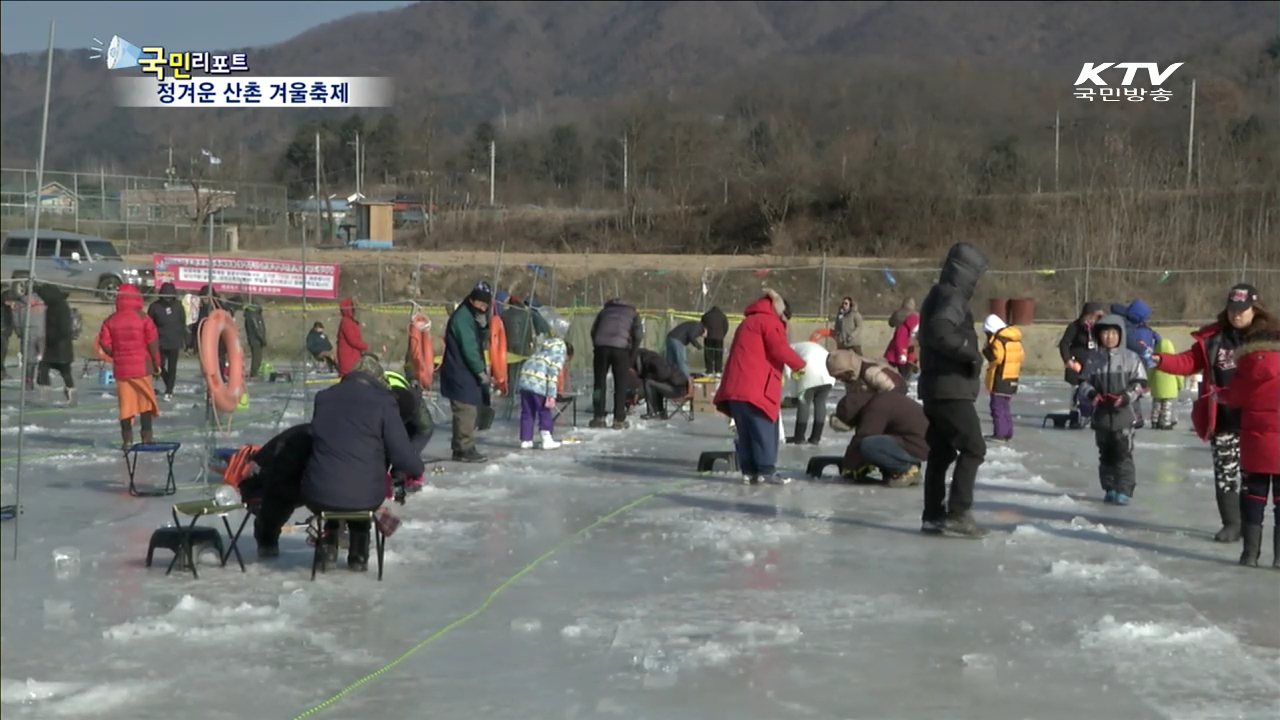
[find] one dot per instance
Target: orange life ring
(562, 381)
(818, 334)
(220, 328)
(498, 353)
(421, 352)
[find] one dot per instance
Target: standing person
(351, 342)
(356, 433)
(1255, 391)
(8, 301)
(950, 380)
(848, 326)
(130, 339)
(1213, 356)
(1004, 363)
(1074, 348)
(1142, 340)
(616, 335)
(464, 378)
(538, 382)
(170, 319)
(1164, 391)
(255, 331)
(901, 353)
(678, 340)
(30, 317)
(751, 392)
(811, 388)
(191, 311)
(717, 325)
(58, 337)
(1113, 378)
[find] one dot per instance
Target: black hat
(1242, 297)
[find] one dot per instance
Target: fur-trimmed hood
(771, 301)
(1266, 340)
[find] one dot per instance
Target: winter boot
(549, 442)
(526, 444)
(147, 436)
(815, 435)
(1229, 509)
(470, 456)
(358, 550)
(908, 478)
(1110, 497)
(962, 525)
(1252, 535)
(598, 423)
(621, 425)
(126, 438)
(1122, 499)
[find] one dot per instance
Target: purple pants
(533, 405)
(1001, 416)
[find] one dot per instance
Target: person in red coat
(751, 389)
(1213, 357)
(1255, 390)
(130, 339)
(350, 342)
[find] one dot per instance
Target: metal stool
(131, 463)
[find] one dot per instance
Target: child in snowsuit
(538, 382)
(1113, 378)
(1004, 361)
(1164, 391)
(1142, 340)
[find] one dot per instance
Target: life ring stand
(421, 351)
(818, 334)
(219, 328)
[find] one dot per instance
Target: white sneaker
(526, 444)
(168, 397)
(776, 479)
(549, 442)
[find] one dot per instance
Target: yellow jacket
(1004, 356)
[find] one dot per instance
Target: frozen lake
(507, 596)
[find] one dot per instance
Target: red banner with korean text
(259, 276)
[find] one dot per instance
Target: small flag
(213, 159)
(889, 277)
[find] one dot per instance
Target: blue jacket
(540, 374)
(1138, 337)
(463, 361)
(355, 433)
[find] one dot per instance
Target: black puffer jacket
(1077, 341)
(950, 356)
(170, 319)
(652, 366)
(716, 323)
(255, 328)
(687, 333)
(617, 325)
(59, 329)
(356, 432)
(281, 462)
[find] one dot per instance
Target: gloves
(550, 402)
(797, 374)
(484, 379)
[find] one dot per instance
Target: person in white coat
(810, 387)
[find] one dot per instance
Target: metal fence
(144, 213)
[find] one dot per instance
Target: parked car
(80, 261)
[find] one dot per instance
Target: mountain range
(462, 62)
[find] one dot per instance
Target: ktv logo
(1092, 73)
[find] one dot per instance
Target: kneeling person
(889, 435)
(662, 381)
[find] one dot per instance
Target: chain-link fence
(143, 214)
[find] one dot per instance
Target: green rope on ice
(489, 598)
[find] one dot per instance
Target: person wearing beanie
(1004, 362)
(464, 377)
(170, 319)
(1074, 348)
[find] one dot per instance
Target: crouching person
(889, 436)
(663, 380)
(274, 491)
(356, 433)
(538, 384)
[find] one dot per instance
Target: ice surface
(709, 600)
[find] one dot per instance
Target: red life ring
(498, 353)
(220, 328)
(818, 334)
(421, 353)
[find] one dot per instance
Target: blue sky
(24, 26)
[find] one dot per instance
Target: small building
(54, 198)
(173, 203)
(374, 220)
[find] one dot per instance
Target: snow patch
(1138, 637)
(464, 492)
(195, 619)
(1109, 571)
(64, 699)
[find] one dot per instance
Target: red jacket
(130, 337)
(1204, 413)
(350, 342)
(898, 351)
(1255, 389)
(753, 370)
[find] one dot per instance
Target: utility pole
(1191, 133)
(493, 167)
(358, 173)
(318, 219)
(625, 169)
(1057, 135)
